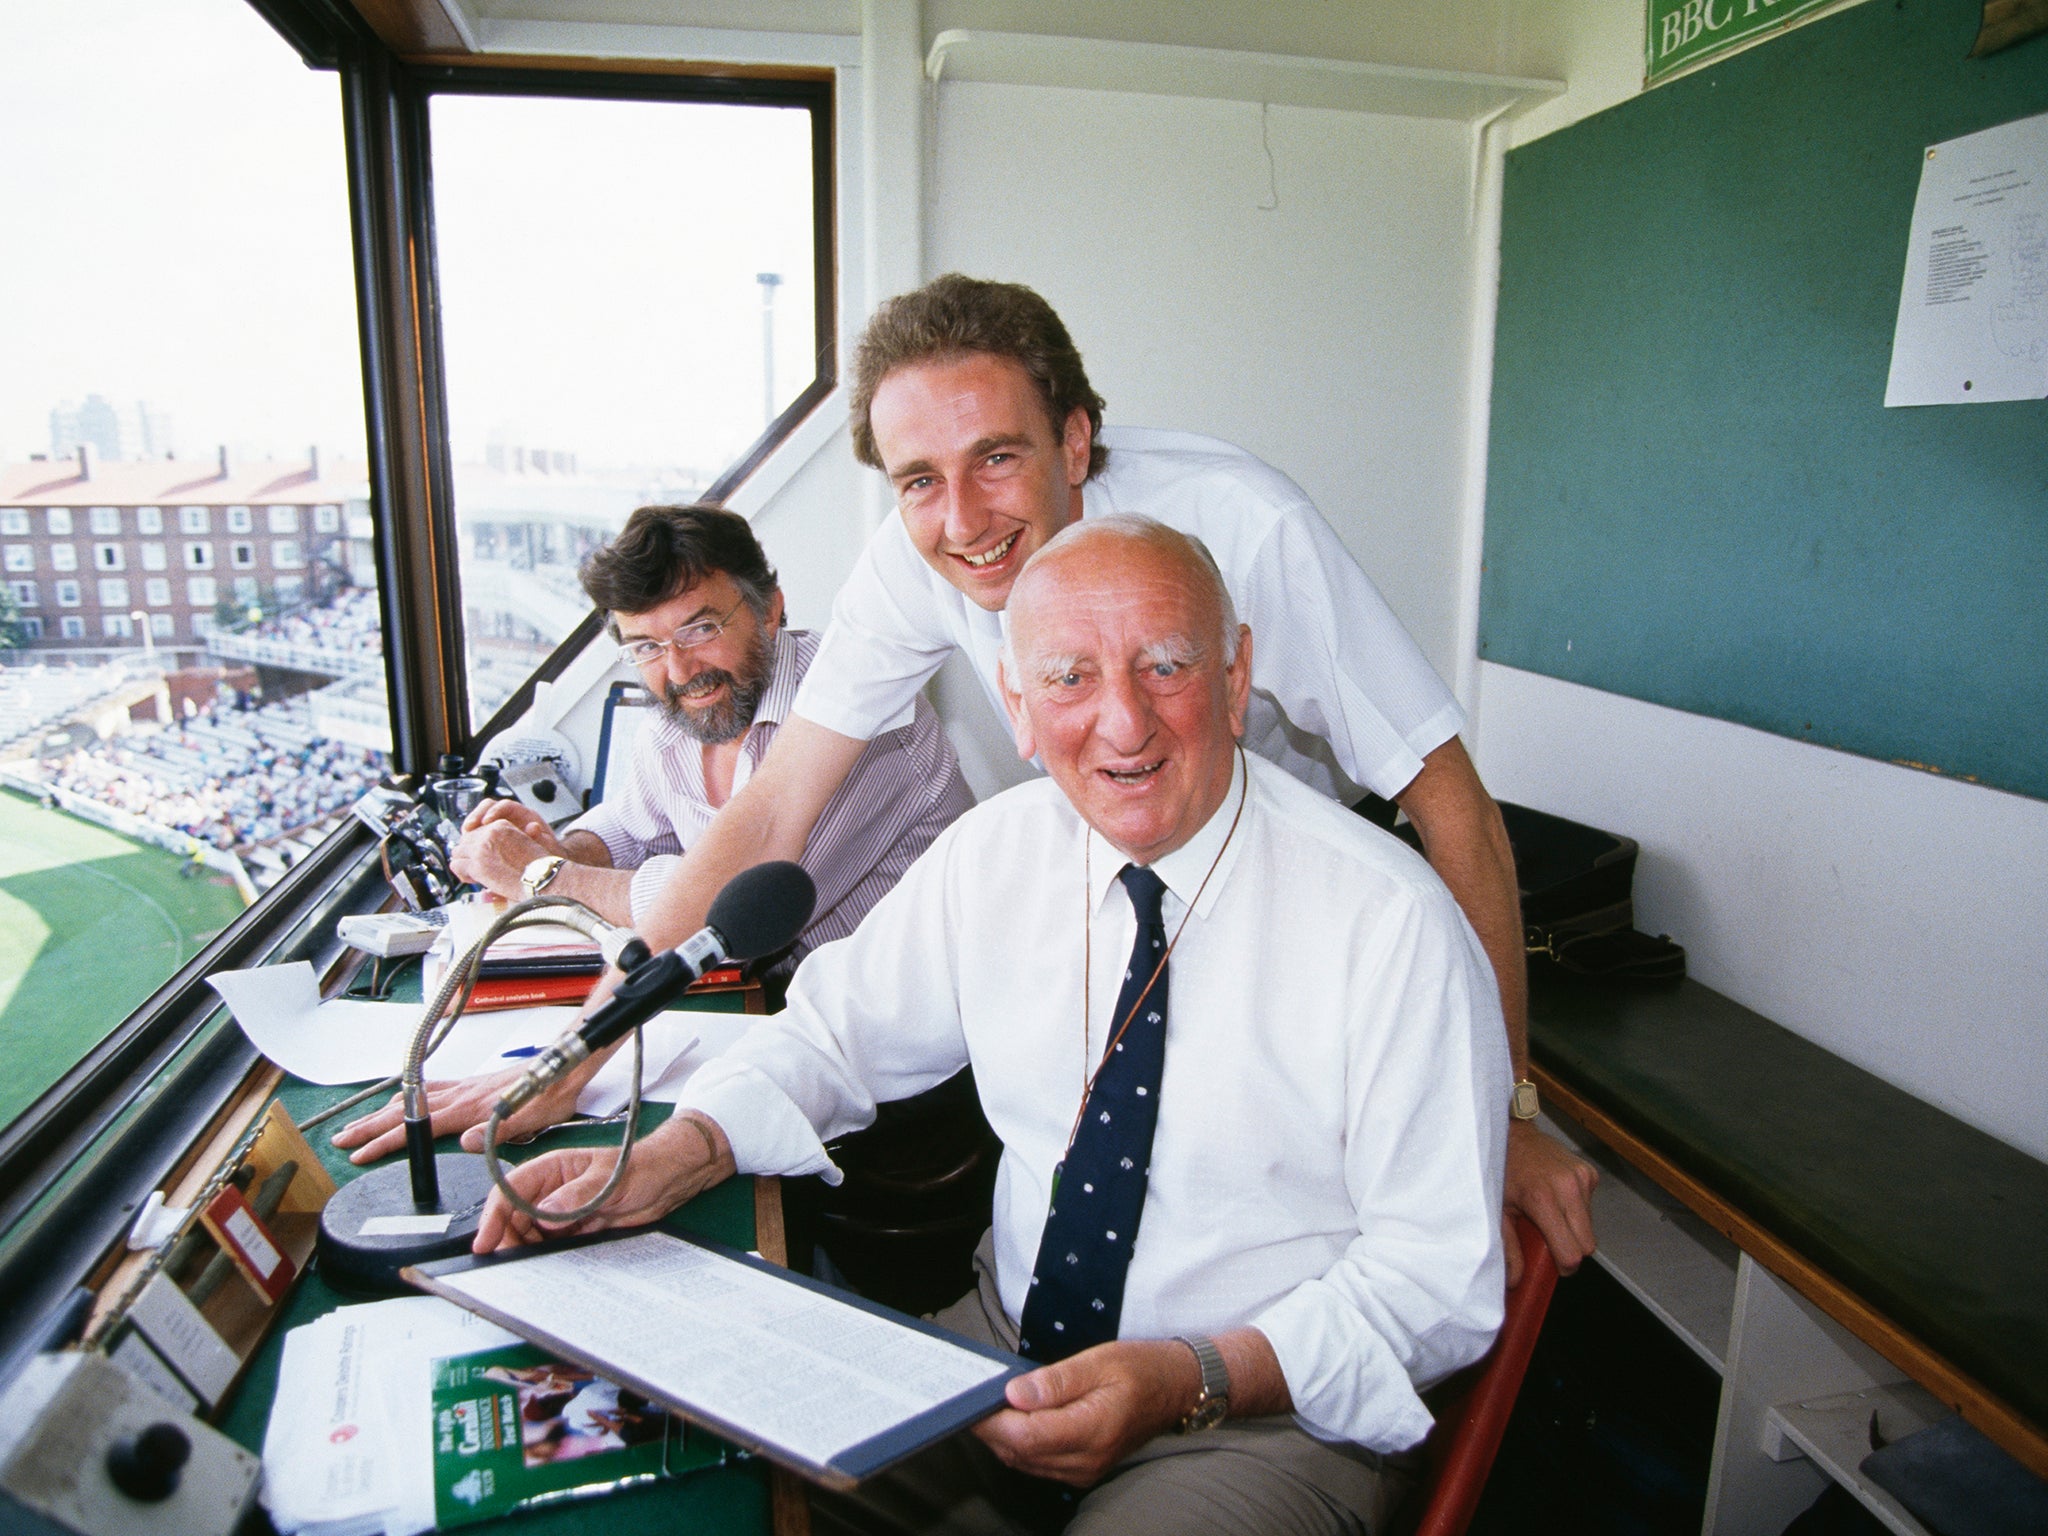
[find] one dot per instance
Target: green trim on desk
(1938, 1226)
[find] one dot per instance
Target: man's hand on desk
(500, 838)
(464, 1105)
(1552, 1186)
(681, 1159)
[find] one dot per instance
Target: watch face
(1208, 1414)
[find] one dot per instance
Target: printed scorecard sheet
(824, 1382)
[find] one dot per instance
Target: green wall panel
(1695, 494)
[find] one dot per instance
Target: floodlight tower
(769, 281)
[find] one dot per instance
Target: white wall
(1327, 334)
(1898, 919)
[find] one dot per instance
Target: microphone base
(354, 1260)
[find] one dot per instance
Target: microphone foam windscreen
(762, 909)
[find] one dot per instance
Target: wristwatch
(1523, 1103)
(1213, 1406)
(538, 875)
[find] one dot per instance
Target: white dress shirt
(903, 791)
(1341, 697)
(1332, 1114)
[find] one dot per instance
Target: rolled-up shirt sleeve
(632, 822)
(881, 646)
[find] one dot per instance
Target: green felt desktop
(734, 1498)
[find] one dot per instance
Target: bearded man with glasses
(696, 609)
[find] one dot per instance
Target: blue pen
(521, 1050)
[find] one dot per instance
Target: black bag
(1578, 897)
(1578, 901)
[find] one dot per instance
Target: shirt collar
(784, 674)
(1184, 869)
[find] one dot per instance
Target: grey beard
(716, 724)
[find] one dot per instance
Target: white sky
(175, 230)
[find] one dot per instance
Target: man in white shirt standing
(1250, 1187)
(972, 399)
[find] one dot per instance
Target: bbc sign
(1682, 32)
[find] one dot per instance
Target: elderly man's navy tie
(1077, 1288)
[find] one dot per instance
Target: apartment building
(98, 553)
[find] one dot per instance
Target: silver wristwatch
(1213, 1406)
(538, 875)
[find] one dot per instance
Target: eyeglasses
(643, 653)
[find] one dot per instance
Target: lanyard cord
(1088, 951)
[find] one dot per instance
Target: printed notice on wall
(1973, 314)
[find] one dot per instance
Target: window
(60, 522)
(660, 375)
(71, 627)
(113, 591)
(149, 519)
(291, 590)
(108, 557)
(14, 520)
(161, 626)
(31, 628)
(202, 625)
(152, 557)
(21, 557)
(63, 557)
(284, 519)
(285, 555)
(116, 626)
(199, 591)
(238, 519)
(67, 594)
(247, 591)
(198, 557)
(106, 520)
(26, 594)
(193, 520)
(157, 592)
(326, 519)
(242, 556)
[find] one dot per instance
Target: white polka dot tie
(1077, 1288)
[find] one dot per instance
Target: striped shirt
(904, 790)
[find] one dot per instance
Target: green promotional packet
(515, 1427)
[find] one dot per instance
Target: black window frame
(78, 1164)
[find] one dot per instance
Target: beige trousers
(1248, 1477)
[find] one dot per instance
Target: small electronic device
(87, 1450)
(386, 934)
(542, 788)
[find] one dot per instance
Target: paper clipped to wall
(1973, 312)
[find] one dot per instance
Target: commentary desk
(741, 1499)
(1831, 1245)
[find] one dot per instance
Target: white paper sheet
(1973, 312)
(345, 1040)
(677, 1044)
(787, 1365)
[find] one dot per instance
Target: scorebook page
(796, 1370)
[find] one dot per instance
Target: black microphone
(759, 911)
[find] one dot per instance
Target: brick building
(86, 545)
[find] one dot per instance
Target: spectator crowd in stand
(236, 779)
(349, 624)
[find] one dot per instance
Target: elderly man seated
(1246, 1060)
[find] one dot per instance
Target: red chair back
(1472, 1408)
